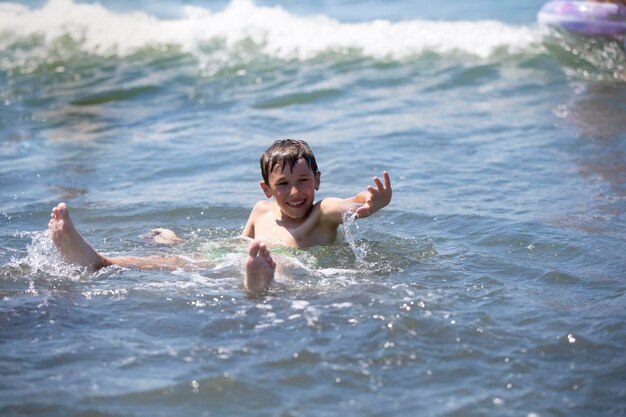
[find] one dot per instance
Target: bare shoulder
(262, 207)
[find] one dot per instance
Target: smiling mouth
(295, 204)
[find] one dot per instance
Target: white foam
(275, 31)
(299, 304)
(43, 256)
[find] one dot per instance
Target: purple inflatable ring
(589, 18)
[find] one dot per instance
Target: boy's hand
(375, 198)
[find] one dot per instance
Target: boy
(291, 218)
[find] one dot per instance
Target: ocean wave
(272, 30)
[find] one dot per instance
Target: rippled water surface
(493, 284)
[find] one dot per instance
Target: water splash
(359, 251)
(42, 257)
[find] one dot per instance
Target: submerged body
(290, 219)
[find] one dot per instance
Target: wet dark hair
(286, 152)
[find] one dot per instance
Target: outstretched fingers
(379, 184)
(382, 190)
(387, 186)
(377, 197)
(380, 187)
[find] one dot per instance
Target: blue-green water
(494, 284)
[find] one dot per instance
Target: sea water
(493, 284)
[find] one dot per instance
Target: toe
(253, 249)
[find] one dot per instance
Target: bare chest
(275, 233)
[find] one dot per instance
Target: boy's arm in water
(363, 204)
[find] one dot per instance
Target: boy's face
(294, 190)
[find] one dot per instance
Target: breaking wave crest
(270, 30)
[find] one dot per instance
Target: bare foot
(71, 245)
(260, 267)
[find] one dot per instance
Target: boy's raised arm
(363, 204)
